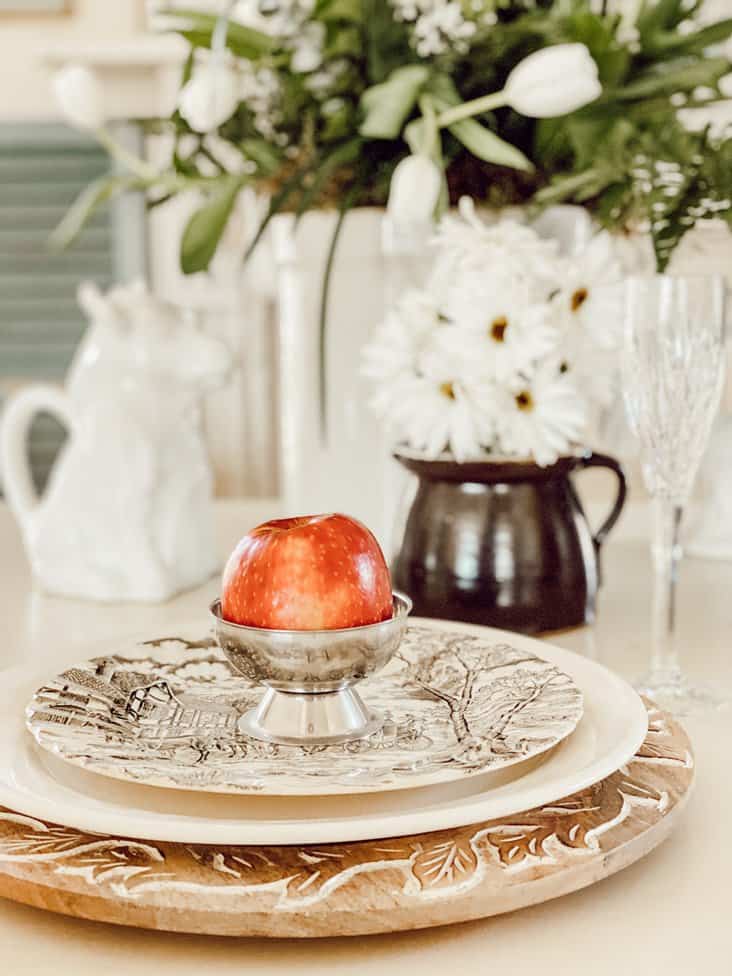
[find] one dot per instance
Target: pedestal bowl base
(297, 719)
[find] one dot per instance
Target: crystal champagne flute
(673, 370)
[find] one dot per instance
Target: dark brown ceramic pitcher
(503, 543)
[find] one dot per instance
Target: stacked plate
(144, 741)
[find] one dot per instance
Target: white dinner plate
(36, 783)
(167, 712)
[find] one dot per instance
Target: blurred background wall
(44, 164)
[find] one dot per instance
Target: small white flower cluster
(260, 90)
(290, 21)
(437, 25)
(281, 18)
(506, 350)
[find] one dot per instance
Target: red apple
(314, 572)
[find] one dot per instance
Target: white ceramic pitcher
(127, 514)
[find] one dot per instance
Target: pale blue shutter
(42, 169)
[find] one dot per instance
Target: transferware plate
(455, 704)
(35, 783)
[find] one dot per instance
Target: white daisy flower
(501, 332)
(542, 416)
(584, 302)
(466, 243)
(436, 411)
(496, 353)
(400, 340)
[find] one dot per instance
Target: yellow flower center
(524, 400)
(578, 299)
(497, 330)
(447, 390)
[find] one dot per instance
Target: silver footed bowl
(309, 675)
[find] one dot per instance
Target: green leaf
(387, 106)
(92, 197)
(672, 43)
(566, 188)
(204, 229)
(552, 143)
(277, 203)
(674, 76)
(612, 203)
(346, 203)
(268, 159)
(343, 10)
(386, 44)
(656, 16)
(244, 42)
(598, 35)
(601, 135)
(343, 41)
(186, 165)
(486, 145)
(338, 123)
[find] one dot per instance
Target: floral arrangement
(345, 103)
(507, 350)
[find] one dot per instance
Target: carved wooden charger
(348, 889)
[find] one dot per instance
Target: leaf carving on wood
(573, 825)
(540, 834)
(302, 875)
(445, 864)
(95, 858)
(660, 745)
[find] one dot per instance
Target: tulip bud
(414, 191)
(210, 97)
(79, 96)
(553, 81)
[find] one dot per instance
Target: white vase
(339, 459)
(127, 513)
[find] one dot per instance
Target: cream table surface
(670, 913)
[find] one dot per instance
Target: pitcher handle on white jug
(15, 423)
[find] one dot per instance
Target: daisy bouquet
(506, 351)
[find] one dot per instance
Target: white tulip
(414, 191)
(79, 96)
(210, 97)
(553, 81)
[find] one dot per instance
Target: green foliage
(91, 198)
(333, 134)
(244, 42)
(387, 106)
(486, 145)
(205, 228)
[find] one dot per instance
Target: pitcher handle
(592, 460)
(15, 423)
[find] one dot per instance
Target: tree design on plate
(166, 713)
